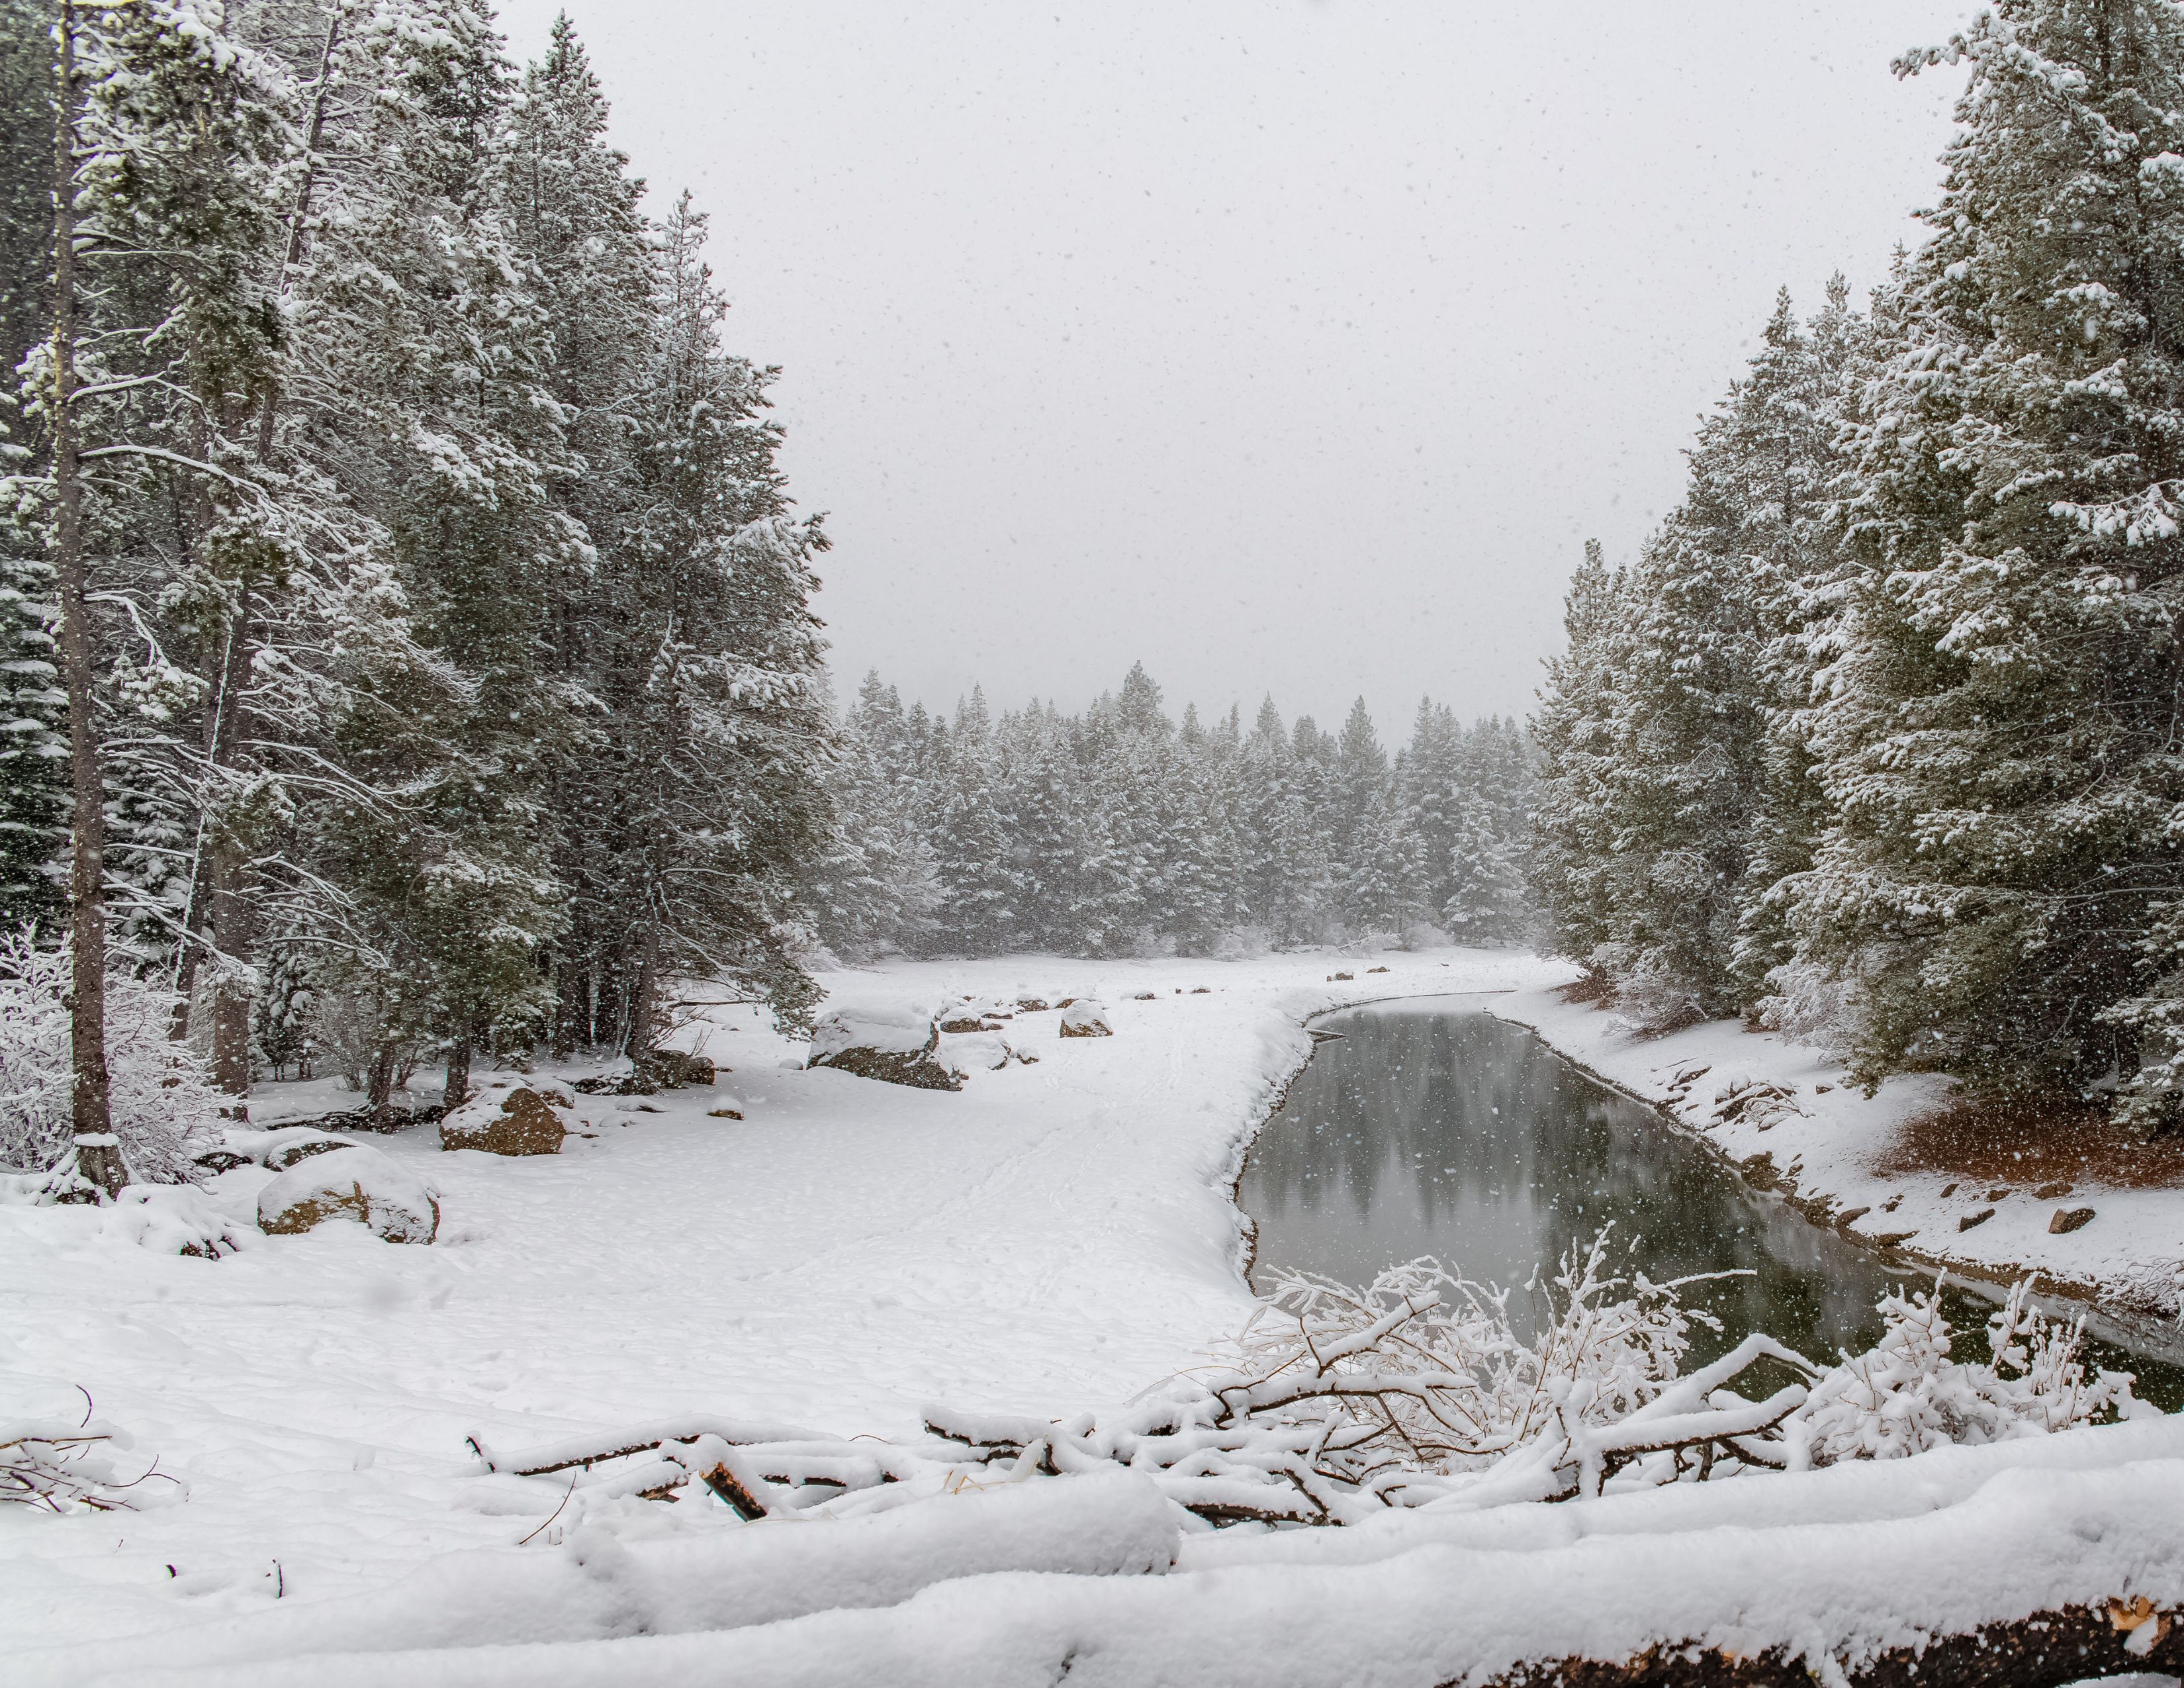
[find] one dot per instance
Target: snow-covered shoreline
(1827, 1146)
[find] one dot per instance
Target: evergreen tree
(1997, 733)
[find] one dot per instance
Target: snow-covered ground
(1055, 1236)
(1052, 1237)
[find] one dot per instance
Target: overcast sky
(1282, 346)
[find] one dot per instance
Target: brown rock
(1342, 976)
(2052, 1192)
(357, 1183)
(1085, 1019)
(1376, 969)
(963, 1023)
(1978, 1218)
(2069, 1219)
(525, 1123)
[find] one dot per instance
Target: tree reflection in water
(1432, 1128)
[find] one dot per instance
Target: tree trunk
(97, 1154)
(206, 872)
(643, 1001)
(231, 995)
(459, 1074)
(379, 1086)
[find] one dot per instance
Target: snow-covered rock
(354, 1182)
(171, 1218)
(300, 1142)
(1085, 1018)
(507, 1115)
(978, 1051)
(895, 1042)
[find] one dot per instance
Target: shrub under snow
(160, 1098)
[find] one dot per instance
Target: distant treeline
(1120, 832)
(1880, 738)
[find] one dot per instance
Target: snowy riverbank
(1055, 1236)
(1848, 1159)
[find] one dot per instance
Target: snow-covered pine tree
(1998, 733)
(1660, 801)
(874, 890)
(977, 914)
(721, 739)
(1793, 465)
(430, 401)
(33, 744)
(1573, 859)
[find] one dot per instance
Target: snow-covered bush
(1905, 1395)
(160, 1099)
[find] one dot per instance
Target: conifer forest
(566, 1011)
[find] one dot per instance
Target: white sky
(1284, 346)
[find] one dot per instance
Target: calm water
(1431, 1128)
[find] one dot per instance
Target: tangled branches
(58, 1467)
(1418, 1391)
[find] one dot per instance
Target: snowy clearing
(1056, 1236)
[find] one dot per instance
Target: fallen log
(2046, 1650)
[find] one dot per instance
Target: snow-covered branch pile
(58, 1467)
(1417, 1390)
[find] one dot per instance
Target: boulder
(895, 1042)
(1085, 1018)
(350, 1183)
(507, 1116)
(668, 1069)
(2066, 1220)
(282, 1149)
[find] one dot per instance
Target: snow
(1056, 1237)
(891, 1027)
(1828, 1136)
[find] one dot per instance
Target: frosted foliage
(160, 1097)
(1906, 1395)
(1811, 1005)
(1427, 1368)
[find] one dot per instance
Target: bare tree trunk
(231, 995)
(205, 873)
(97, 1153)
(643, 1001)
(459, 1074)
(379, 1087)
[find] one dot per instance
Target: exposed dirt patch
(1592, 988)
(2023, 1143)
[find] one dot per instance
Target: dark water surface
(1432, 1128)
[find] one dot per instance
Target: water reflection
(1433, 1129)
